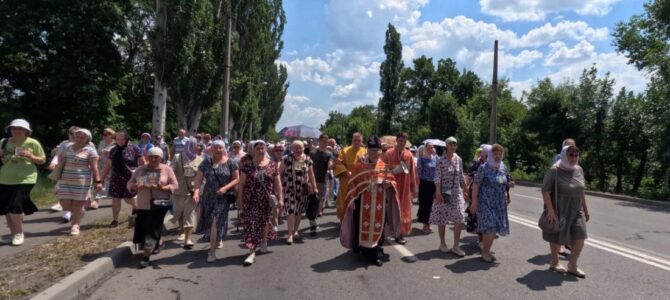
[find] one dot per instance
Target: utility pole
(224, 126)
(494, 96)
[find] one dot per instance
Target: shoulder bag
(543, 223)
(56, 174)
(272, 198)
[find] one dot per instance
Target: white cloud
(483, 62)
(296, 112)
(310, 69)
(342, 91)
(350, 22)
(561, 54)
(518, 87)
(537, 10)
(617, 65)
(575, 30)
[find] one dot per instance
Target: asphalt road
(627, 257)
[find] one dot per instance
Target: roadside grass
(38, 268)
(42, 193)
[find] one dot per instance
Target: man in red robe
(372, 207)
(401, 163)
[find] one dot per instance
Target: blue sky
(333, 48)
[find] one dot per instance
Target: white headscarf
(490, 161)
(564, 163)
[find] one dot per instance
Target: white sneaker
(219, 245)
(443, 248)
(67, 216)
(458, 251)
(211, 257)
(17, 240)
(56, 207)
(250, 259)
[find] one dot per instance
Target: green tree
(443, 115)
(389, 73)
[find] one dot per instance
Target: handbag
(56, 174)
(543, 223)
(312, 206)
(272, 198)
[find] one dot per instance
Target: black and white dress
(295, 180)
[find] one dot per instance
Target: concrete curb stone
(77, 283)
(608, 195)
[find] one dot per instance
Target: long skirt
(149, 227)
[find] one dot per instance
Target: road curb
(77, 283)
(665, 204)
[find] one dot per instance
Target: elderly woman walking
(489, 201)
(298, 182)
(124, 158)
(449, 207)
(104, 147)
(259, 180)
(564, 199)
(79, 166)
(185, 166)
(153, 183)
(221, 175)
(426, 162)
(19, 155)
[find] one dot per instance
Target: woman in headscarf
(153, 183)
(489, 200)
(564, 199)
(298, 182)
(124, 158)
(185, 166)
(259, 179)
(104, 147)
(145, 143)
(449, 207)
(18, 174)
(221, 175)
(80, 166)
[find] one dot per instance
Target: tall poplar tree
(390, 79)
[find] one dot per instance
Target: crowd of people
(200, 179)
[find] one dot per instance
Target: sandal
(558, 268)
(577, 272)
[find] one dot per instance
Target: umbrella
(435, 142)
(389, 139)
(300, 131)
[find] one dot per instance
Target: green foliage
(389, 74)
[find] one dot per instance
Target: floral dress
(123, 170)
(491, 206)
(213, 206)
(449, 173)
(256, 211)
(295, 182)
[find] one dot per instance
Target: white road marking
(408, 255)
(649, 259)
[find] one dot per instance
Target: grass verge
(42, 193)
(35, 269)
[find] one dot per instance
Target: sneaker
(144, 262)
(400, 240)
(576, 272)
(443, 248)
(219, 245)
(56, 207)
(17, 240)
(250, 259)
(74, 231)
(66, 217)
(275, 228)
(458, 251)
(211, 257)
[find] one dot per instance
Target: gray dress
(570, 190)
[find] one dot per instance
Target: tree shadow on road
(347, 261)
(648, 207)
(470, 265)
(540, 280)
(198, 259)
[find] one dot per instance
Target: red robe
(367, 182)
(406, 184)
